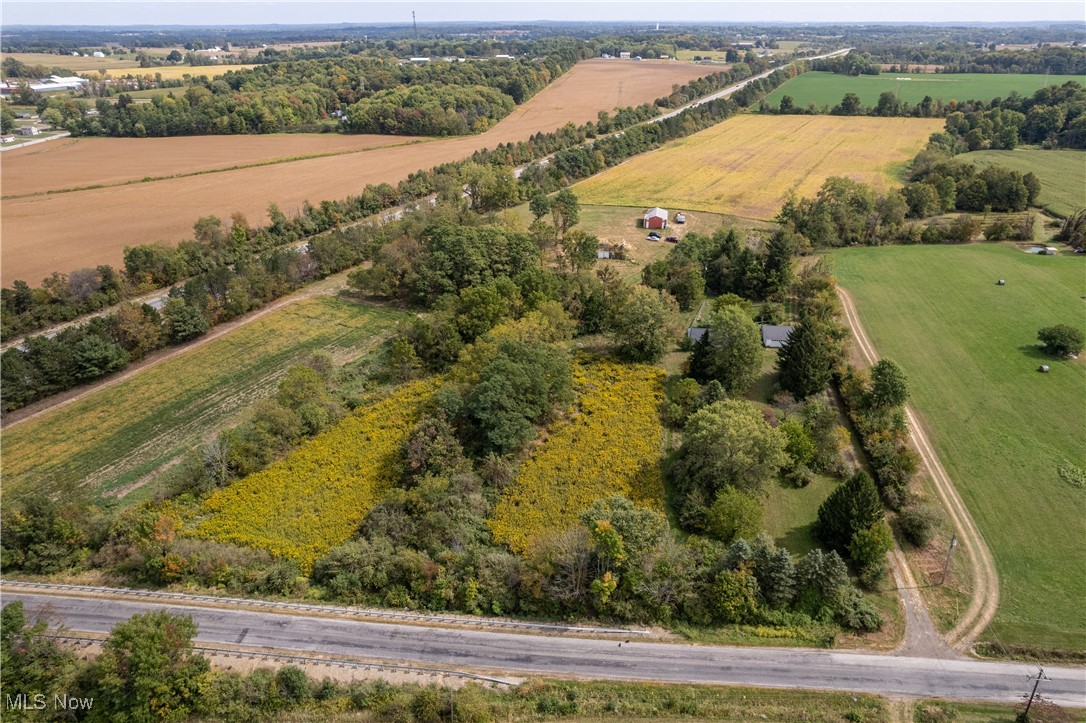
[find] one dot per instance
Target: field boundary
(984, 601)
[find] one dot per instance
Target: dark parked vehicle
(672, 239)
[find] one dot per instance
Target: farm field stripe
(985, 599)
(37, 409)
(239, 167)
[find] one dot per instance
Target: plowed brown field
(66, 231)
(75, 163)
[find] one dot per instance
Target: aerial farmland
(400, 368)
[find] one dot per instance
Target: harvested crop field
(747, 166)
(78, 162)
(176, 72)
(62, 232)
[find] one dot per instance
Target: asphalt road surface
(505, 653)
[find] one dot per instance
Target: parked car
(672, 239)
(680, 218)
(653, 236)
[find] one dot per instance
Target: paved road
(506, 653)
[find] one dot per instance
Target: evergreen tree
(780, 253)
(805, 360)
(852, 507)
(777, 579)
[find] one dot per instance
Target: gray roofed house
(695, 333)
(774, 337)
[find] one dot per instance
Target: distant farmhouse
(655, 218)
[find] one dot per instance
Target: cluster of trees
(15, 68)
(377, 95)
(875, 403)
(222, 283)
(431, 110)
(851, 63)
(938, 187)
(978, 56)
(845, 212)
(1054, 60)
(721, 264)
(1053, 117)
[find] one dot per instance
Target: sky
(237, 12)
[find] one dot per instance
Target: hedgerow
(611, 447)
(314, 499)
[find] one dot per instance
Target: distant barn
(655, 218)
(773, 337)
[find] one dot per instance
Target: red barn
(655, 218)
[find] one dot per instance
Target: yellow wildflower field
(315, 498)
(748, 166)
(611, 447)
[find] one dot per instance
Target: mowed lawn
(1001, 428)
(827, 89)
(119, 442)
(1062, 173)
(747, 166)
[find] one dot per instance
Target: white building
(29, 130)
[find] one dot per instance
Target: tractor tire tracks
(985, 600)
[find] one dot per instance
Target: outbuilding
(655, 218)
(30, 130)
(695, 333)
(774, 337)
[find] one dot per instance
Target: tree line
(1052, 117)
(376, 95)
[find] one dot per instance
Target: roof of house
(656, 212)
(695, 333)
(775, 336)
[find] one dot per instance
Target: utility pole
(950, 550)
(1036, 681)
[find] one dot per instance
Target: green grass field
(827, 89)
(790, 512)
(121, 442)
(1062, 174)
(1001, 428)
